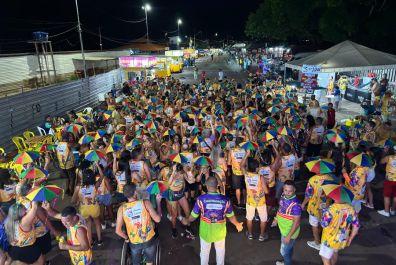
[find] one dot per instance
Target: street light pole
(146, 8)
(81, 41)
(179, 21)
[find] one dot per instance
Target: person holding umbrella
(314, 196)
(339, 221)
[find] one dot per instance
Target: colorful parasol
(74, 128)
(195, 131)
(269, 135)
(290, 110)
(178, 158)
(116, 138)
(141, 132)
(221, 129)
(249, 146)
(107, 115)
(273, 109)
(270, 120)
(336, 137)
(26, 157)
(100, 133)
(359, 159)
(83, 119)
(93, 155)
(34, 173)
(339, 193)
(284, 130)
(135, 142)
(169, 132)
(299, 126)
(44, 193)
(156, 187)
(321, 166)
(45, 147)
(202, 161)
(197, 139)
(387, 143)
(85, 139)
(113, 148)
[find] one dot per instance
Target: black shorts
(238, 182)
(29, 254)
(44, 243)
(69, 173)
(191, 187)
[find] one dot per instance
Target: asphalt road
(375, 244)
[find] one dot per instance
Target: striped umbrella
(135, 142)
(74, 128)
(178, 158)
(270, 120)
(388, 143)
(299, 126)
(27, 157)
(359, 159)
(93, 155)
(221, 129)
(269, 135)
(197, 139)
(284, 130)
(339, 193)
(321, 166)
(202, 161)
(249, 146)
(290, 110)
(45, 147)
(168, 132)
(34, 173)
(85, 139)
(113, 148)
(116, 138)
(273, 109)
(100, 133)
(43, 193)
(336, 136)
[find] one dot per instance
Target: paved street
(375, 244)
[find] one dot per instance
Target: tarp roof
(345, 57)
(144, 46)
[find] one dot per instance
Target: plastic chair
(41, 131)
(20, 143)
(88, 110)
(28, 135)
(2, 151)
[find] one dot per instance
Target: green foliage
(328, 20)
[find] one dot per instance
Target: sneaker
(103, 226)
(180, 218)
(313, 244)
(280, 263)
(384, 213)
(264, 237)
(113, 224)
(99, 243)
(174, 233)
(189, 232)
(392, 213)
(256, 218)
(242, 206)
(368, 206)
(249, 236)
(169, 217)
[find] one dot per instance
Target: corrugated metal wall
(19, 113)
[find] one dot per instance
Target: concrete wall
(19, 113)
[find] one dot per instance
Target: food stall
(141, 67)
(162, 68)
(175, 60)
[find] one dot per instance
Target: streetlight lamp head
(179, 21)
(148, 7)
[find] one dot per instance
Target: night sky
(19, 18)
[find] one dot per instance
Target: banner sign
(310, 69)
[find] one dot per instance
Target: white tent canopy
(347, 56)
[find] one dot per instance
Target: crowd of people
(170, 151)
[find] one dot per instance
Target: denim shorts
(104, 199)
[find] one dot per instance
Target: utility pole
(81, 41)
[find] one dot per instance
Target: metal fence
(27, 110)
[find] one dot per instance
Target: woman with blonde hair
(21, 235)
